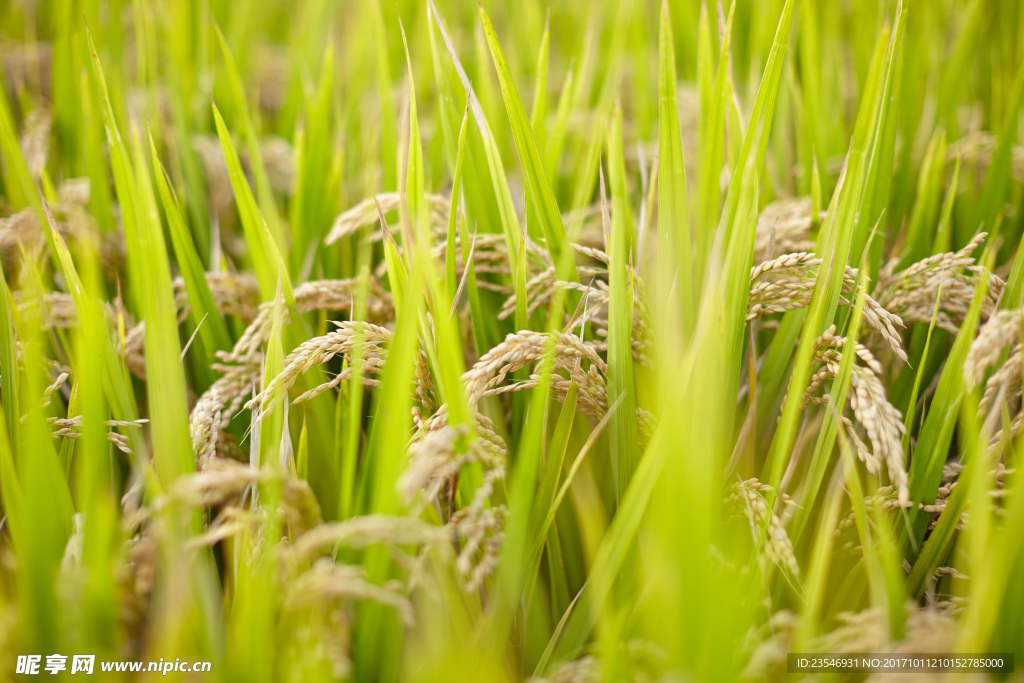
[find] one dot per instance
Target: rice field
(525, 341)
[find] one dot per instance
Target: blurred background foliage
(641, 573)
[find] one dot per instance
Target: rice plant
(591, 341)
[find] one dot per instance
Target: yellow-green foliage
(583, 340)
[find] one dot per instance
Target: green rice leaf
(9, 372)
(522, 275)
(997, 180)
(47, 518)
(988, 592)
(172, 446)
(924, 215)
(505, 210)
(537, 184)
(886, 588)
(270, 266)
(711, 156)
(450, 255)
(625, 448)
(309, 210)
(674, 260)
(556, 141)
(554, 459)
(818, 569)
(539, 110)
(835, 242)
(925, 472)
(267, 205)
(412, 205)
(213, 331)
(939, 542)
(919, 376)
